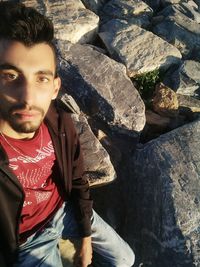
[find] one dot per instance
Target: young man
(43, 195)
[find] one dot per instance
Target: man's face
(27, 86)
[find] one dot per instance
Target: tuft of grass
(145, 83)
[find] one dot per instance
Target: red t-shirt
(33, 161)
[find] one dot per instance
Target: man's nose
(27, 92)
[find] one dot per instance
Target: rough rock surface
(72, 21)
(165, 182)
(170, 2)
(101, 87)
(189, 102)
(180, 30)
(155, 4)
(185, 8)
(140, 50)
(189, 107)
(153, 118)
(134, 11)
(186, 79)
(98, 167)
(191, 3)
(165, 101)
(198, 3)
(94, 5)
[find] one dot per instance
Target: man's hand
(83, 255)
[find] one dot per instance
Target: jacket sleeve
(80, 195)
(80, 192)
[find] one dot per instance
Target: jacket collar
(52, 117)
(3, 156)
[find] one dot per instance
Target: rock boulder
(177, 26)
(101, 87)
(98, 167)
(185, 79)
(140, 50)
(166, 187)
(94, 5)
(72, 21)
(137, 12)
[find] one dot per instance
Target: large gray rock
(198, 3)
(189, 102)
(165, 192)
(137, 12)
(185, 8)
(72, 21)
(94, 5)
(155, 4)
(101, 88)
(177, 26)
(173, 2)
(98, 167)
(170, 2)
(186, 79)
(140, 50)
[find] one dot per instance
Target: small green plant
(145, 83)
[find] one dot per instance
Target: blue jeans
(41, 249)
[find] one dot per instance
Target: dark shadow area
(86, 96)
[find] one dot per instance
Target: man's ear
(57, 85)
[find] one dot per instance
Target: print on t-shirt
(32, 161)
(33, 172)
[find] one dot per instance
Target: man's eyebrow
(46, 72)
(7, 66)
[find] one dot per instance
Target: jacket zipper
(64, 160)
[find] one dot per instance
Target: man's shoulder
(57, 109)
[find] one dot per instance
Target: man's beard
(21, 127)
(26, 127)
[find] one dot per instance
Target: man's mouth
(26, 114)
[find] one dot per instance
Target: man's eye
(43, 79)
(8, 76)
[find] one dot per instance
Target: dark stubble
(13, 119)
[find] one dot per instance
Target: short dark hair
(24, 24)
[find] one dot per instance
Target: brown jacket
(70, 164)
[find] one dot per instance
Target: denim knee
(107, 243)
(130, 258)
